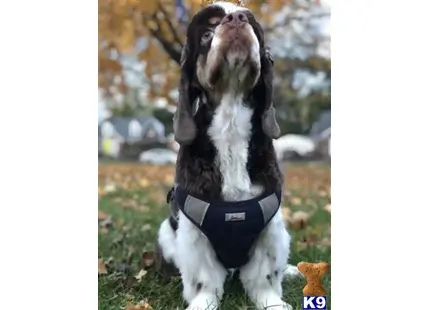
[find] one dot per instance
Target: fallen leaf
(328, 207)
(144, 182)
(142, 305)
(296, 201)
(140, 275)
(299, 220)
(146, 227)
(102, 267)
(322, 193)
(147, 259)
(109, 188)
(102, 215)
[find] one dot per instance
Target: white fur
(235, 59)
(167, 241)
(191, 251)
(198, 264)
(230, 132)
(229, 7)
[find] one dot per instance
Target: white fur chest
(230, 132)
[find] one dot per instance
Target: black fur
(196, 169)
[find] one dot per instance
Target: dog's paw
(203, 302)
(292, 272)
(273, 302)
(283, 306)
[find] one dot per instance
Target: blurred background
(139, 49)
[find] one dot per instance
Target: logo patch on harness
(234, 217)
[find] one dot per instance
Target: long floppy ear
(183, 124)
(270, 125)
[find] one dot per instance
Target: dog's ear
(265, 94)
(185, 129)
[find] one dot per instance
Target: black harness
(232, 228)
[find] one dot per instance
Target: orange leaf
(142, 305)
(102, 267)
(102, 215)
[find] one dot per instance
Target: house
(127, 137)
(321, 134)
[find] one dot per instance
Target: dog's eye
(207, 36)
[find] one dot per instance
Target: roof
(121, 124)
(322, 124)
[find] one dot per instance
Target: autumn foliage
(155, 24)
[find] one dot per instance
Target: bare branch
(168, 47)
(170, 25)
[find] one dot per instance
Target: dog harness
(231, 227)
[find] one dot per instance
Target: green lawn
(128, 223)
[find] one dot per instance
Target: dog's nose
(236, 18)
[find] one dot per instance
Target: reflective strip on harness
(196, 209)
(269, 206)
(232, 227)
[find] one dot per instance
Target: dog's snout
(236, 18)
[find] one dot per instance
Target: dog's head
(224, 52)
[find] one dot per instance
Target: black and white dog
(226, 202)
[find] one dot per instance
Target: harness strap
(196, 208)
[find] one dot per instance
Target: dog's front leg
(202, 275)
(262, 275)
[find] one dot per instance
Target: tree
(140, 43)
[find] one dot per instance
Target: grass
(131, 207)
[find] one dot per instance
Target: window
(151, 133)
(134, 129)
(107, 130)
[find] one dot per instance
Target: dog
(225, 205)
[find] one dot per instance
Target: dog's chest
(230, 132)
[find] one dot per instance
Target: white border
(380, 155)
(48, 157)
(380, 158)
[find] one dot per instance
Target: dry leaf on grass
(102, 267)
(102, 215)
(146, 227)
(144, 182)
(142, 305)
(296, 201)
(299, 220)
(110, 188)
(328, 208)
(140, 275)
(147, 259)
